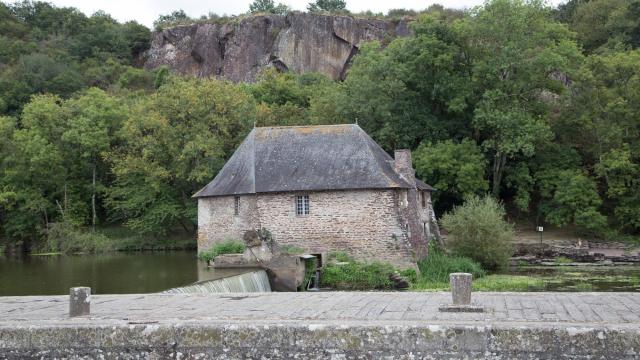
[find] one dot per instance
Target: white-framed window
(302, 205)
(404, 198)
(236, 205)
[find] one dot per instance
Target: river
(155, 271)
(110, 273)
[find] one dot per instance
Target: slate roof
(306, 158)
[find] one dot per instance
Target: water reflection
(112, 273)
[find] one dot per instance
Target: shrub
(65, 237)
(478, 230)
(356, 275)
(436, 267)
(227, 247)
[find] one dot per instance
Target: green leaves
(456, 170)
(477, 230)
(173, 143)
(327, 5)
(569, 197)
(268, 6)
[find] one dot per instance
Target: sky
(146, 11)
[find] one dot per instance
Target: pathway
(557, 309)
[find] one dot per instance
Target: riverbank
(345, 325)
(105, 239)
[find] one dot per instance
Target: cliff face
(296, 42)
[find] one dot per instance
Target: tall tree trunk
(46, 218)
(498, 170)
(93, 199)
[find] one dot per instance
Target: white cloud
(146, 11)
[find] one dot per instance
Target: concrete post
(461, 288)
(79, 301)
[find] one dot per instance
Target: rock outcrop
(296, 42)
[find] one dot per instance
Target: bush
(227, 247)
(436, 267)
(478, 230)
(356, 275)
(67, 238)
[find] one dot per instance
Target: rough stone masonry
(320, 188)
(346, 325)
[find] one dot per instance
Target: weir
(250, 282)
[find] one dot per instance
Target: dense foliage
(349, 274)
(538, 106)
(268, 6)
(435, 269)
(477, 230)
(227, 247)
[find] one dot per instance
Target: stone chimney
(410, 211)
(403, 165)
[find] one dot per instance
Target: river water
(111, 273)
(145, 272)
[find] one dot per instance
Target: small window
(236, 208)
(424, 199)
(302, 205)
(404, 200)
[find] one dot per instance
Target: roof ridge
(301, 126)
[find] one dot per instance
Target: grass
(291, 250)
(227, 247)
(344, 273)
(438, 265)
(562, 260)
(495, 282)
(508, 283)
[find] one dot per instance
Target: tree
(456, 170)
(570, 197)
(173, 143)
(285, 98)
(621, 171)
(603, 108)
(516, 50)
(176, 17)
(95, 119)
(327, 5)
(268, 6)
(607, 24)
(32, 169)
(414, 90)
(477, 230)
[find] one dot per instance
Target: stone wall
(298, 340)
(217, 221)
(365, 223)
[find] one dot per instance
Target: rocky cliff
(296, 42)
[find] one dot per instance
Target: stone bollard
(79, 301)
(461, 288)
(461, 294)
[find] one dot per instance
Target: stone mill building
(320, 188)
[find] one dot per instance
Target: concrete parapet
(317, 341)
